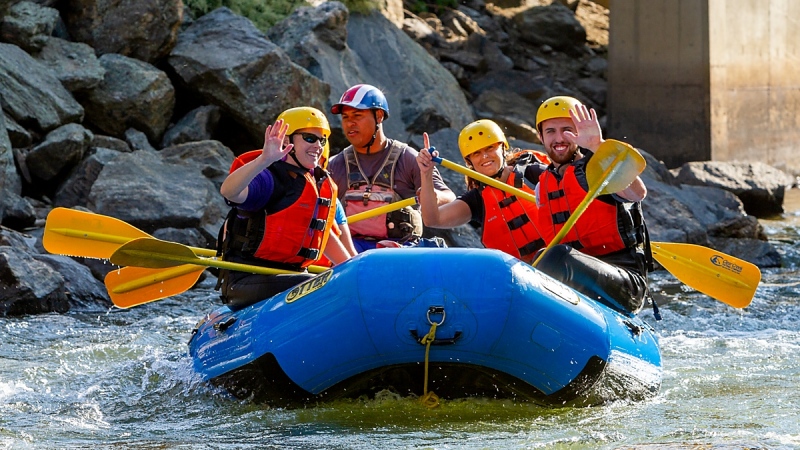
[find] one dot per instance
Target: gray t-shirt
(406, 177)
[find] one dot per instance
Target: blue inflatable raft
(503, 330)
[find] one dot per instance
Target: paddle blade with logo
(728, 279)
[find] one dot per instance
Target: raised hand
(425, 157)
(235, 187)
(273, 141)
(587, 128)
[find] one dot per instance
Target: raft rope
(429, 399)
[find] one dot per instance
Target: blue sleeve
(259, 191)
(341, 217)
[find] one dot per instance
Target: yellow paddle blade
(614, 166)
(132, 286)
(723, 277)
(79, 233)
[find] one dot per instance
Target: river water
(123, 379)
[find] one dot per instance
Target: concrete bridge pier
(698, 80)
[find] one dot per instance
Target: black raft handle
(437, 341)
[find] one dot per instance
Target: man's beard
(562, 158)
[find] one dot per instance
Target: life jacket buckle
(309, 253)
(318, 224)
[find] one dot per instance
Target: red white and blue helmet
(362, 96)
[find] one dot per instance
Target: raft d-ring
(436, 310)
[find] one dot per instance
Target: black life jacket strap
(518, 221)
(308, 253)
(560, 217)
(531, 247)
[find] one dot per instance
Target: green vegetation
(263, 13)
(435, 6)
(266, 13)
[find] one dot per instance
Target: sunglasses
(311, 138)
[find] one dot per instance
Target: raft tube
(503, 330)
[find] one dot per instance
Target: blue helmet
(362, 96)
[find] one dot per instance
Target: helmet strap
(293, 154)
(375, 134)
(294, 157)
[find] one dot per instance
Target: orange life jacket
(605, 227)
(293, 236)
(298, 234)
(509, 223)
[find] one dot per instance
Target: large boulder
(347, 49)
(28, 25)
(61, 150)
(198, 124)
(554, 25)
(759, 186)
(211, 157)
(149, 193)
(34, 283)
(10, 184)
(83, 290)
(29, 286)
(423, 95)
(76, 188)
(32, 94)
(142, 29)
(74, 63)
(133, 94)
(223, 58)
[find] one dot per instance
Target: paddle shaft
(114, 239)
(484, 179)
(161, 275)
(208, 262)
(382, 210)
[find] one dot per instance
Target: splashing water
(113, 378)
